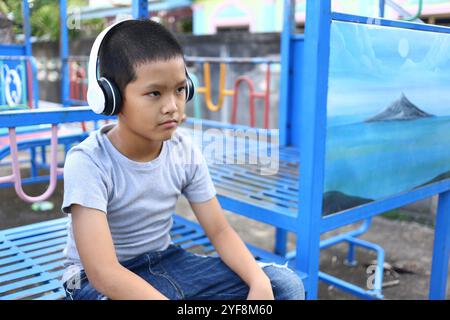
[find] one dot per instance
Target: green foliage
(45, 18)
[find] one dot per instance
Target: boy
(121, 185)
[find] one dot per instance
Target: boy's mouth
(169, 124)
(168, 121)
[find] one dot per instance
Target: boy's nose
(170, 106)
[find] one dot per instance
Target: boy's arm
(232, 249)
(105, 273)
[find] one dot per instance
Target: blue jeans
(180, 274)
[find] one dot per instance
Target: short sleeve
(199, 187)
(84, 183)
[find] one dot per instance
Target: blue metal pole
(34, 167)
(29, 51)
(288, 23)
(34, 71)
(313, 113)
(43, 155)
(382, 7)
(9, 119)
(281, 237)
(64, 52)
(140, 9)
(26, 27)
(441, 251)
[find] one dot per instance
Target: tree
(44, 18)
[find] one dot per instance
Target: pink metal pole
(251, 96)
(16, 178)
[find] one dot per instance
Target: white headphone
(103, 95)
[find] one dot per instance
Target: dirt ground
(408, 245)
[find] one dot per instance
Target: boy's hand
(261, 290)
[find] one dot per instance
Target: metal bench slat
(48, 258)
(43, 244)
(39, 238)
(54, 285)
(60, 294)
(34, 226)
(35, 269)
(24, 283)
(30, 233)
(33, 249)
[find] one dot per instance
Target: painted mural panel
(388, 113)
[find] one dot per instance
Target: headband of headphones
(95, 96)
(102, 95)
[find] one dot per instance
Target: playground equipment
(78, 79)
(223, 62)
(74, 81)
(19, 91)
(78, 85)
(291, 200)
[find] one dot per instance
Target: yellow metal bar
(207, 78)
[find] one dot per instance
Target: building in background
(176, 15)
(203, 17)
(212, 16)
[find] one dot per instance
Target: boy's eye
(181, 89)
(154, 94)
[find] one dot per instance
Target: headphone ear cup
(113, 98)
(190, 88)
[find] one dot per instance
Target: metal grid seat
(31, 257)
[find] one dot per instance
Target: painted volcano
(401, 109)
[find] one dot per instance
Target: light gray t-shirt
(138, 198)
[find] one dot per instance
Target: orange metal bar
(207, 78)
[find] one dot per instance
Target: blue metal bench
(303, 129)
(273, 199)
(31, 257)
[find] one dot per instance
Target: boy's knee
(286, 284)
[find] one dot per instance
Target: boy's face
(155, 97)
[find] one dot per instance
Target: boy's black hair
(131, 44)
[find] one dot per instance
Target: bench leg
(439, 267)
(351, 261)
(307, 260)
(281, 237)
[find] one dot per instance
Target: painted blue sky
(370, 66)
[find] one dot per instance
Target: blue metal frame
(441, 251)
(389, 23)
(303, 127)
(26, 27)
(312, 130)
(312, 157)
(64, 53)
(381, 8)
(20, 118)
(139, 9)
